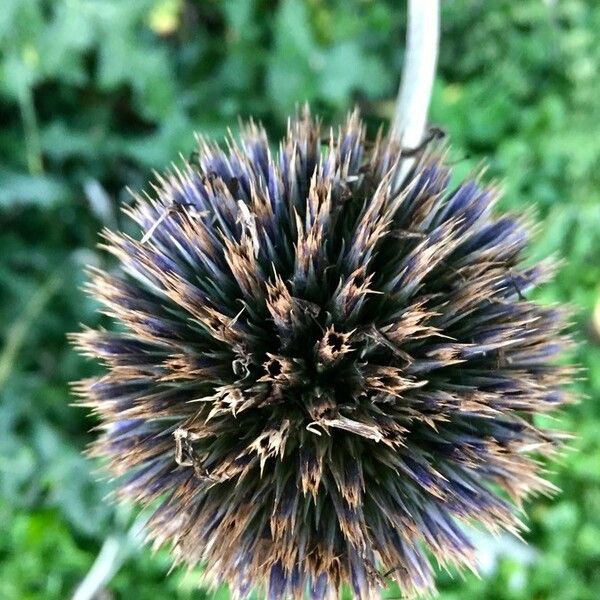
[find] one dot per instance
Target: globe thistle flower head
(317, 376)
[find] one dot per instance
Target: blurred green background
(94, 94)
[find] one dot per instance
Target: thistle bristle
(318, 376)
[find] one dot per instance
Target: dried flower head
(318, 377)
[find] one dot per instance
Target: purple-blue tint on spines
(467, 203)
(284, 167)
(348, 146)
(431, 528)
(217, 269)
(169, 480)
(494, 382)
(131, 302)
(425, 366)
(277, 582)
(460, 509)
(159, 259)
(466, 494)
(125, 426)
(108, 390)
(115, 345)
(478, 351)
(532, 274)
(169, 230)
(520, 283)
(295, 578)
(475, 211)
(273, 188)
(124, 403)
(184, 251)
(243, 587)
(125, 443)
(436, 235)
(172, 477)
(458, 537)
(224, 217)
(427, 403)
(408, 266)
(193, 296)
(554, 397)
(351, 148)
(192, 193)
(421, 475)
(417, 187)
(358, 574)
(430, 181)
(216, 164)
(239, 183)
(140, 477)
(506, 431)
(161, 402)
(258, 152)
(438, 524)
(141, 434)
(242, 561)
(328, 165)
(413, 557)
(213, 523)
(495, 234)
(319, 587)
(493, 310)
(463, 439)
(540, 355)
(157, 326)
(495, 332)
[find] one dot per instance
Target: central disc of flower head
(316, 374)
(317, 378)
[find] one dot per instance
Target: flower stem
(418, 74)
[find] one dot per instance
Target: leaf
(18, 189)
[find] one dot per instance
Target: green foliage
(96, 93)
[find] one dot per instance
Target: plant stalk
(418, 74)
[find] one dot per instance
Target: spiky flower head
(318, 377)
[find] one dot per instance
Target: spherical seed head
(317, 377)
